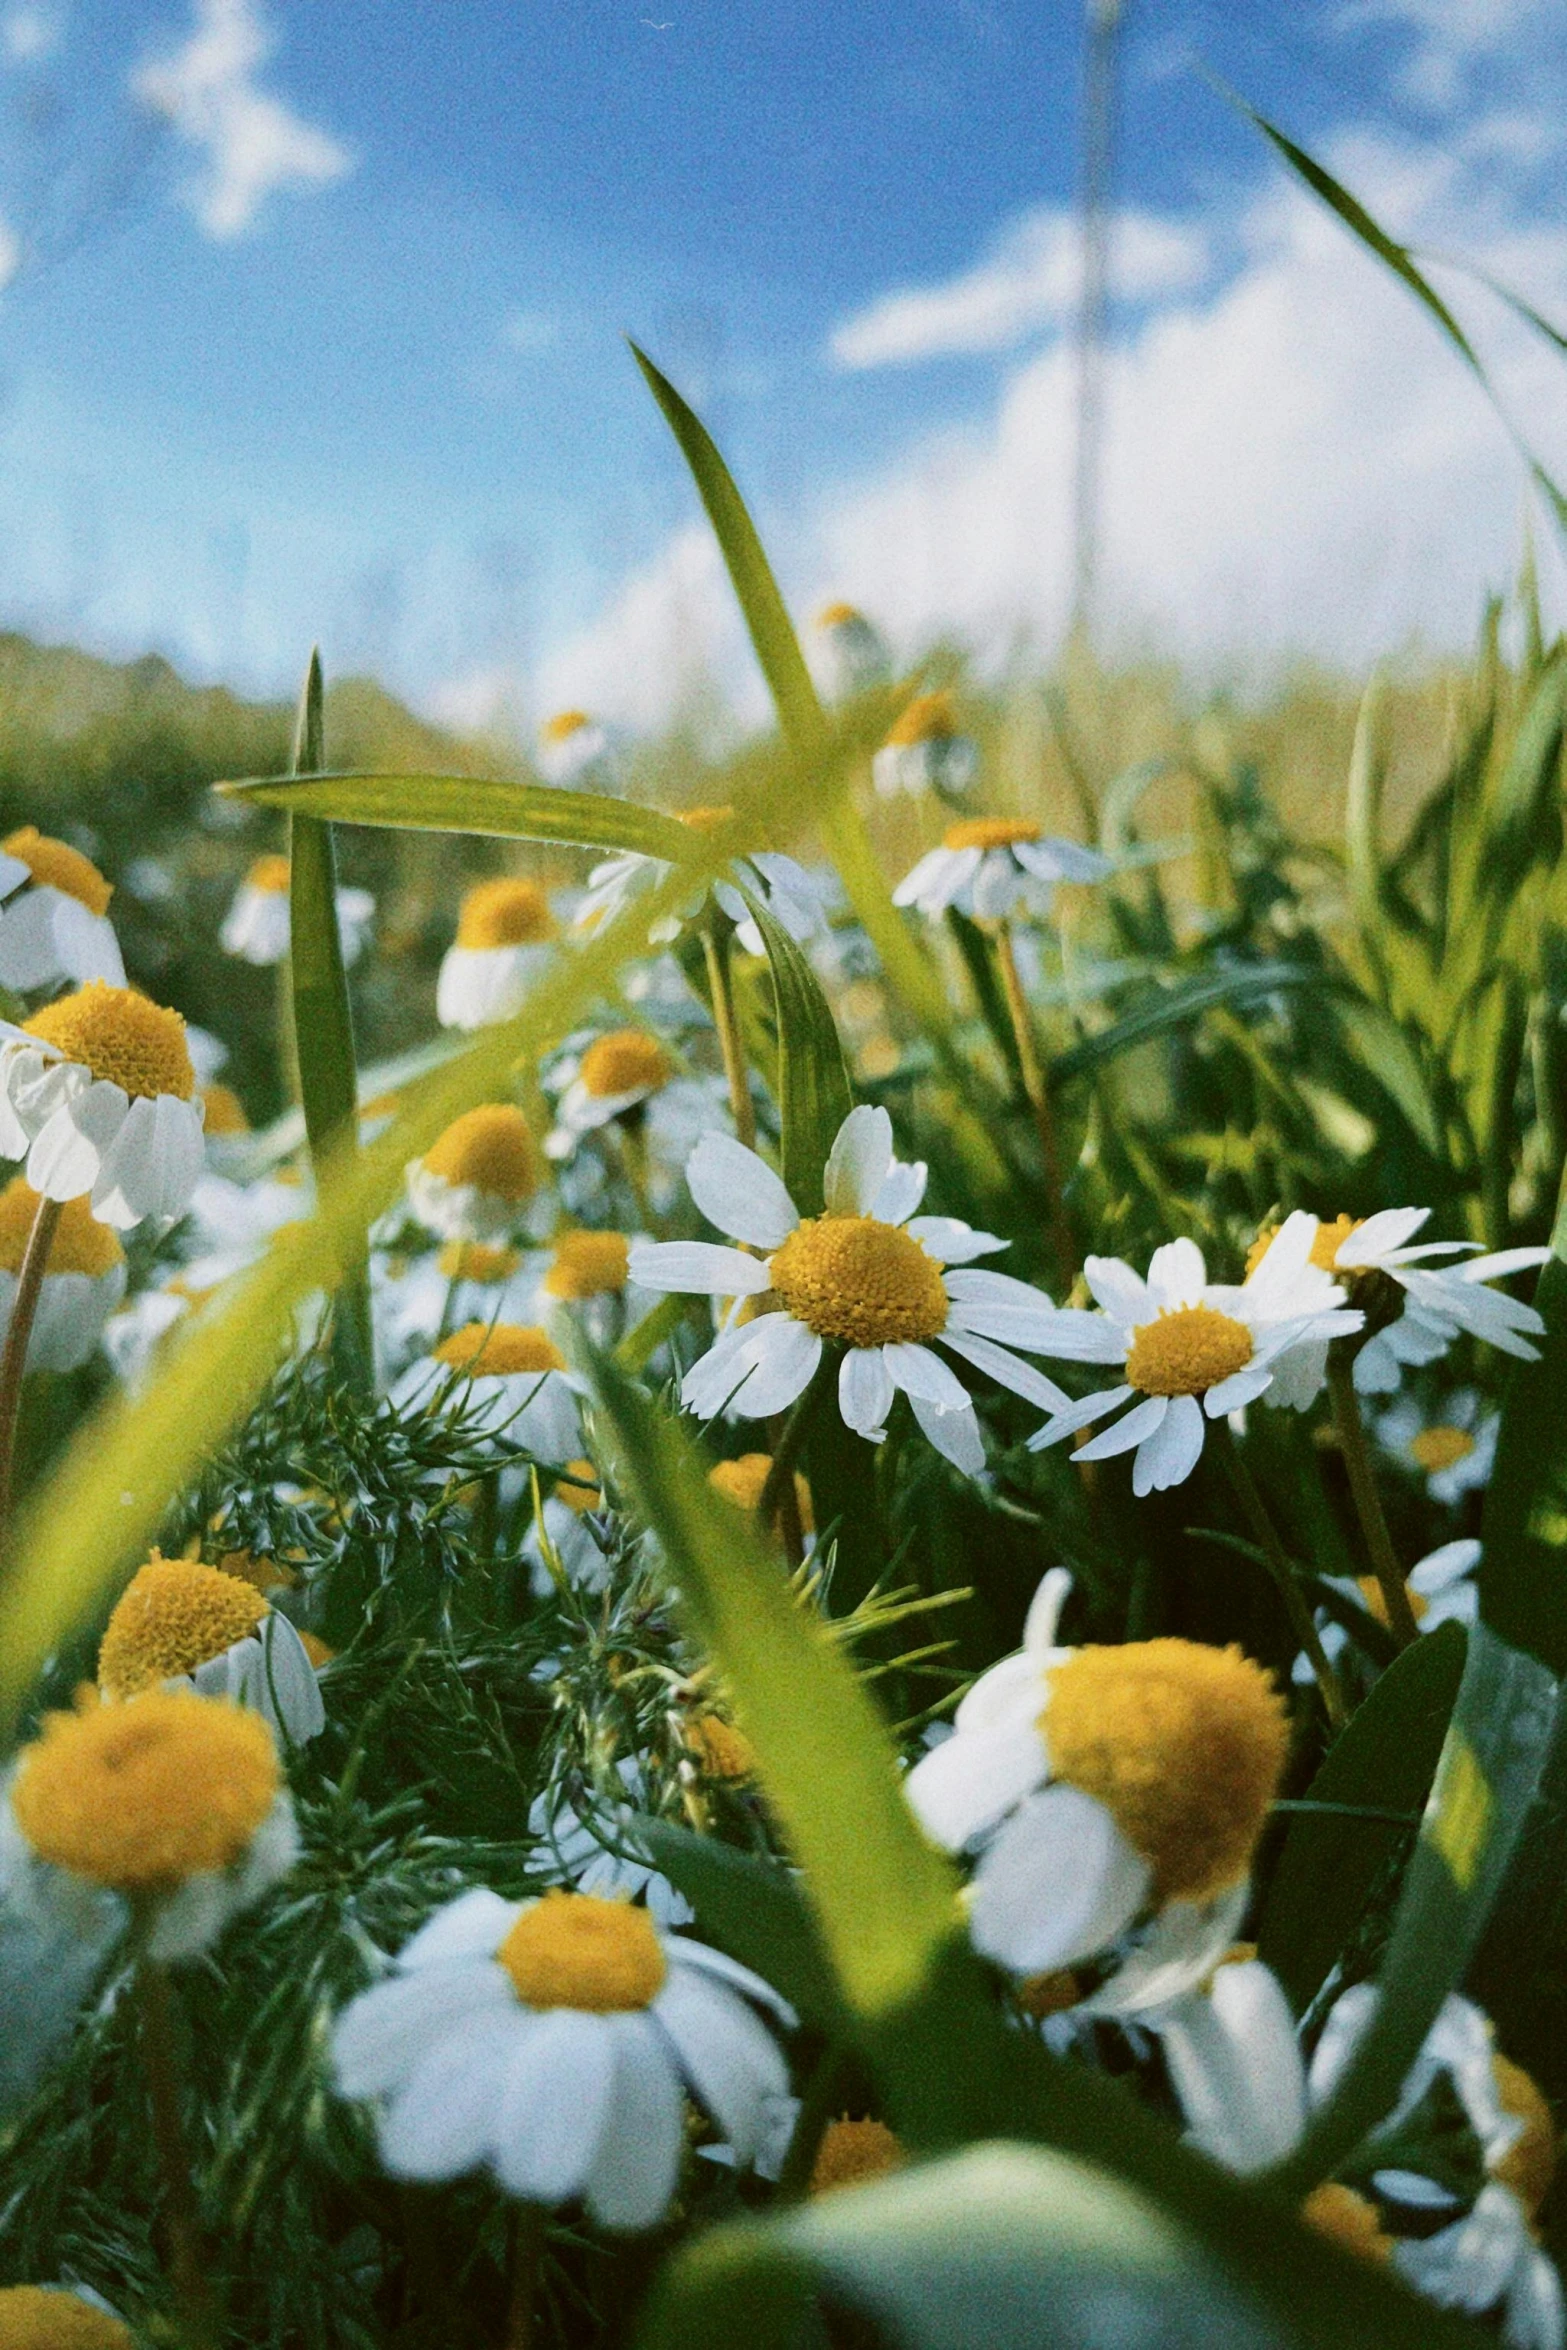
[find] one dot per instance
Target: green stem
(189, 2267)
(527, 2254)
(1368, 1502)
(720, 980)
(1302, 1623)
(778, 1500)
(13, 1361)
(1037, 1087)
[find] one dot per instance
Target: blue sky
(314, 323)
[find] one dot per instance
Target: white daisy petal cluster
(1441, 1588)
(575, 753)
(925, 750)
(511, 1384)
(83, 1282)
(1440, 1300)
(1192, 1350)
(595, 1849)
(256, 928)
(1453, 1447)
(554, 2043)
(793, 897)
(993, 868)
(54, 919)
(505, 939)
(868, 1275)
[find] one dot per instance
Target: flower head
(57, 2317)
(790, 895)
(54, 924)
(84, 1278)
(476, 1179)
(743, 1481)
(925, 751)
(853, 654)
(852, 2153)
(586, 1265)
(256, 927)
(617, 1072)
(994, 867)
(511, 1382)
(1452, 1447)
(505, 931)
(98, 1094)
(573, 751)
(178, 1621)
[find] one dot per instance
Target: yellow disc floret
(625, 1061)
(45, 2317)
(578, 1487)
(56, 865)
(928, 718)
(489, 1148)
(564, 725)
(989, 832)
(1439, 1448)
(588, 1264)
(1183, 1744)
(491, 1350)
(477, 1260)
(838, 615)
(225, 1111)
(1187, 1350)
(1529, 2165)
(719, 1750)
(270, 875)
(506, 912)
(852, 2152)
(1375, 1598)
(857, 1279)
(744, 1479)
(122, 1037)
(80, 1245)
(1348, 2219)
(706, 819)
(172, 1616)
(142, 1796)
(574, 1950)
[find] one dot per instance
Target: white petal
(954, 1434)
(739, 1192)
(1390, 1228)
(439, 2124)
(1177, 1275)
(1236, 1392)
(29, 953)
(473, 1926)
(1139, 1424)
(963, 1787)
(708, 1961)
(756, 1370)
(1170, 1454)
(86, 944)
(552, 2104)
(924, 1376)
(1122, 1293)
(69, 1148)
(1502, 1261)
(865, 1391)
(858, 1163)
(1081, 1414)
(902, 1192)
(381, 2036)
(1059, 1884)
(1172, 1954)
(1235, 2065)
(951, 1242)
(698, 1268)
(730, 2058)
(1008, 1370)
(632, 2181)
(1445, 1565)
(1065, 1332)
(1044, 1615)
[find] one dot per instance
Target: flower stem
(778, 1499)
(1368, 1502)
(13, 1361)
(527, 2254)
(188, 2264)
(1302, 1623)
(1036, 1086)
(720, 980)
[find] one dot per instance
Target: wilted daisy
(256, 926)
(1453, 1447)
(477, 1179)
(509, 1380)
(554, 2043)
(505, 931)
(1189, 1347)
(59, 2317)
(573, 752)
(181, 1624)
(98, 1095)
(173, 1803)
(563, 1533)
(54, 923)
(84, 1279)
(853, 654)
(868, 1276)
(1106, 1790)
(924, 751)
(792, 896)
(994, 868)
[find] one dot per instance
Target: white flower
(854, 657)
(615, 1073)
(511, 1385)
(1485, 2260)
(83, 1283)
(995, 867)
(868, 1275)
(1441, 1591)
(1453, 1448)
(478, 1180)
(1439, 1300)
(1182, 1338)
(573, 753)
(256, 926)
(181, 1624)
(1086, 1780)
(505, 938)
(1234, 2062)
(565, 1525)
(553, 2043)
(597, 1851)
(98, 1095)
(793, 897)
(54, 923)
(925, 752)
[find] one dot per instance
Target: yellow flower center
(43, 2317)
(225, 1111)
(476, 1260)
(707, 819)
(852, 2153)
(578, 1487)
(507, 912)
(719, 1750)
(142, 1796)
(588, 1264)
(171, 1617)
(56, 864)
(1183, 1744)
(1330, 1239)
(81, 1244)
(1376, 1604)
(564, 725)
(625, 1061)
(269, 875)
(490, 1350)
(489, 1148)
(574, 1950)
(928, 718)
(742, 1481)
(1187, 1350)
(1049, 1994)
(1440, 1448)
(855, 1278)
(989, 832)
(836, 615)
(1529, 2165)
(1348, 2219)
(121, 1036)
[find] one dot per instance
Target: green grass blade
(814, 1094)
(1174, 1007)
(474, 804)
(1523, 1567)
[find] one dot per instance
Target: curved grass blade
(474, 804)
(1172, 1008)
(814, 1094)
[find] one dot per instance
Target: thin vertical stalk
(1302, 1623)
(13, 1361)
(1368, 1502)
(720, 980)
(527, 2254)
(187, 2253)
(1037, 1087)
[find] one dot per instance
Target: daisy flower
(925, 752)
(992, 868)
(476, 1180)
(1115, 1797)
(1453, 1449)
(1441, 1590)
(616, 1073)
(59, 2317)
(792, 896)
(854, 657)
(173, 1804)
(743, 1480)
(1233, 2058)
(83, 1282)
(573, 753)
(223, 1117)
(589, 1272)
(1189, 1347)
(179, 1624)
(54, 922)
(505, 932)
(596, 1850)
(98, 1095)
(565, 1528)
(256, 926)
(554, 2043)
(510, 1380)
(868, 1277)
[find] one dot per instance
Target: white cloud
(253, 145)
(529, 331)
(1452, 38)
(1026, 282)
(10, 253)
(29, 34)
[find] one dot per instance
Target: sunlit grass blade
(495, 809)
(1173, 1007)
(814, 1095)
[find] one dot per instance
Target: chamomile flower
(179, 1624)
(793, 897)
(256, 926)
(1189, 1347)
(98, 1095)
(54, 923)
(1453, 1447)
(1114, 1797)
(1233, 2058)
(509, 1380)
(617, 1072)
(172, 1804)
(587, 1274)
(477, 1180)
(993, 868)
(83, 1282)
(593, 1848)
(1441, 1590)
(505, 936)
(554, 2043)
(853, 655)
(924, 751)
(573, 752)
(869, 1277)
(743, 1480)
(565, 1530)
(59, 2317)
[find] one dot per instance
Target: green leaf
(1522, 822)
(475, 804)
(1523, 1567)
(1381, 1046)
(1331, 1863)
(814, 1094)
(1363, 808)
(1241, 985)
(1492, 1759)
(755, 1910)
